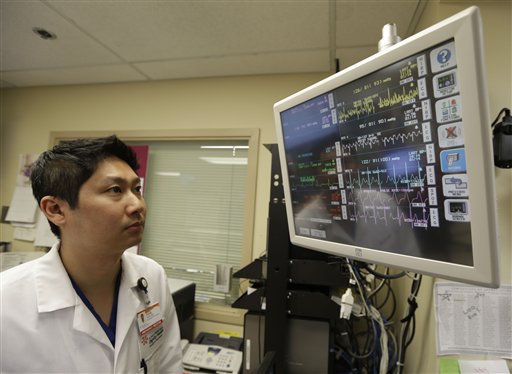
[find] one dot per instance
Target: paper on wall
(23, 206)
(25, 168)
(483, 367)
(473, 320)
(44, 236)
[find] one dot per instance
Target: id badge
(151, 329)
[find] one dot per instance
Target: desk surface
(176, 284)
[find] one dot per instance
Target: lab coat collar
(54, 291)
(53, 287)
(130, 274)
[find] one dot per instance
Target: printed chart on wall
(473, 320)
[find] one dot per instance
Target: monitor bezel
(466, 30)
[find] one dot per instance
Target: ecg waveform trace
(388, 194)
(392, 99)
(367, 106)
(379, 178)
(378, 141)
(415, 216)
(324, 166)
(359, 108)
(388, 199)
(314, 182)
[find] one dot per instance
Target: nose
(136, 203)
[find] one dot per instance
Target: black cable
(393, 297)
(406, 338)
(260, 357)
(393, 310)
(383, 276)
(386, 298)
(413, 321)
(402, 348)
(409, 341)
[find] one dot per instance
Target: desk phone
(212, 357)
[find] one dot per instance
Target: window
(195, 192)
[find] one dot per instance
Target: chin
(132, 244)
(132, 249)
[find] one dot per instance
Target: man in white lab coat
(87, 306)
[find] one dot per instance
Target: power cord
(408, 323)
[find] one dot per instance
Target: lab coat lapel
(128, 303)
(85, 322)
(55, 291)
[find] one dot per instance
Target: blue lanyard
(110, 330)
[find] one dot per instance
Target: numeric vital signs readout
(382, 158)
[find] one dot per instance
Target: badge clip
(142, 285)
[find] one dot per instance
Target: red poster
(142, 156)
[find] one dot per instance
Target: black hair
(62, 170)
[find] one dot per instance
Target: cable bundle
(367, 343)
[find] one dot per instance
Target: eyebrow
(120, 180)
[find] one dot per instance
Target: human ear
(53, 208)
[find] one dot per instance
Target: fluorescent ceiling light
(168, 173)
(225, 147)
(225, 160)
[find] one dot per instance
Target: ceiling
(143, 40)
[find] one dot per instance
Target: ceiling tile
(81, 75)
(23, 49)
(130, 40)
(157, 30)
(352, 55)
(275, 63)
(359, 23)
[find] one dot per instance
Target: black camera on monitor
(502, 140)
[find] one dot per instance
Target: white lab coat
(46, 328)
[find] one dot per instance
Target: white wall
(497, 21)
(29, 115)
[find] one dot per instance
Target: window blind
(195, 193)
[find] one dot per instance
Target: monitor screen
(390, 160)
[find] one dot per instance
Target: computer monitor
(390, 160)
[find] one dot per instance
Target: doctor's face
(111, 210)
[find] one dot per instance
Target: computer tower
(307, 351)
(183, 294)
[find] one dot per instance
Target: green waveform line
(307, 179)
(397, 98)
(361, 107)
(328, 164)
(366, 105)
(312, 181)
